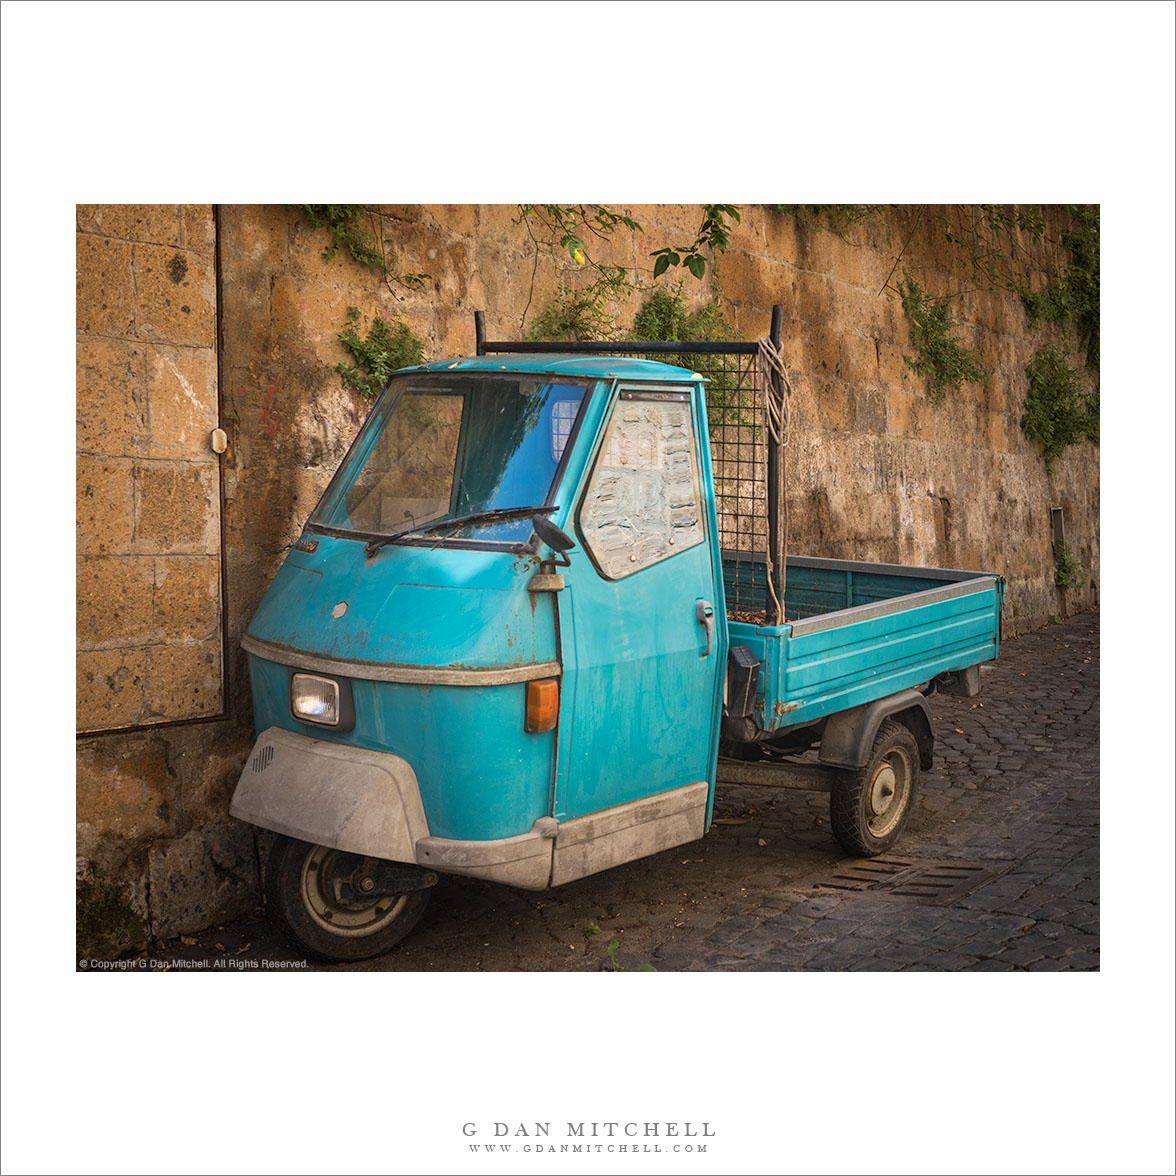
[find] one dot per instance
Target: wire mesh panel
(739, 456)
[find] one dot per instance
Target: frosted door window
(642, 504)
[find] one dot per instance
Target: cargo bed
(856, 632)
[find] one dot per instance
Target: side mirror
(553, 536)
(558, 540)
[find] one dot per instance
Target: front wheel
(319, 897)
(868, 808)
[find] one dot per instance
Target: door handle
(705, 614)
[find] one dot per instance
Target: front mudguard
(369, 803)
(348, 798)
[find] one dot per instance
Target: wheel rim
(332, 903)
(889, 789)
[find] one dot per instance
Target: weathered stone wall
(148, 518)
(156, 851)
(874, 469)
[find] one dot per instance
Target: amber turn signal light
(542, 705)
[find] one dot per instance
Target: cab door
(643, 629)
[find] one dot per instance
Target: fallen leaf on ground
(188, 941)
(219, 946)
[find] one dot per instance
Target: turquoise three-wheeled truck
(541, 607)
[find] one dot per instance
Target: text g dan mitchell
(602, 1130)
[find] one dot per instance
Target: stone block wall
(150, 645)
(148, 496)
(874, 469)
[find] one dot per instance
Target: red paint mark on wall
(269, 420)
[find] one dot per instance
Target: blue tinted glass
(439, 447)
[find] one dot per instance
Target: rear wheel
(332, 903)
(869, 808)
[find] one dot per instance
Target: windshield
(441, 447)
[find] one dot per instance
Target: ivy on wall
(1058, 411)
(386, 347)
(1072, 296)
(995, 243)
(837, 217)
(343, 222)
(1068, 573)
(939, 355)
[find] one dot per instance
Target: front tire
(869, 808)
(310, 896)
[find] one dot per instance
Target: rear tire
(869, 808)
(308, 897)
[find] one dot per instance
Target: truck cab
(435, 687)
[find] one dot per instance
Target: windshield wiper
(481, 516)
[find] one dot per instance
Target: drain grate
(940, 883)
(868, 873)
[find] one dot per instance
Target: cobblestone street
(998, 869)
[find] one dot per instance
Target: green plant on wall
(572, 223)
(343, 222)
(583, 313)
(989, 236)
(944, 359)
(1068, 571)
(1072, 297)
(1058, 412)
(664, 317)
(386, 347)
(582, 308)
(714, 234)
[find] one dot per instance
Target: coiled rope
(776, 396)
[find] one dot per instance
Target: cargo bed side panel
(835, 661)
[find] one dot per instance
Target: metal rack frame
(745, 454)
